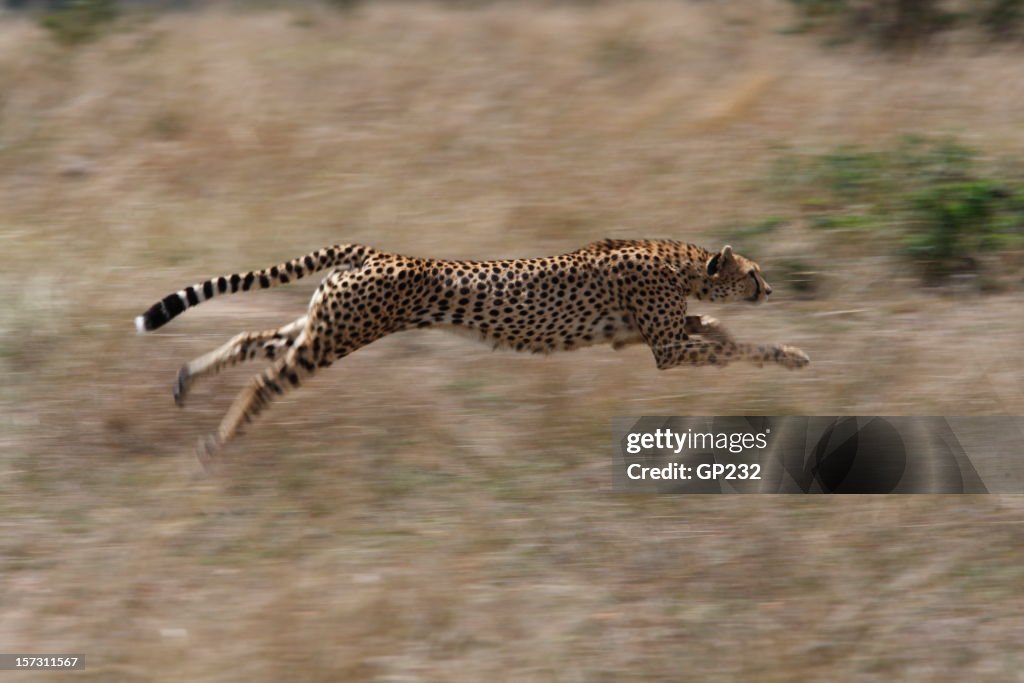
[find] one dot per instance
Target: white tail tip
(140, 324)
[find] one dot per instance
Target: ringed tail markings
(171, 306)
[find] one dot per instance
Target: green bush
(79, 21)
(1002, 18)
(939, 205)
(907, 23)
(890, 23)
(950, 224)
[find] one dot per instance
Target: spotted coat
(616, 292)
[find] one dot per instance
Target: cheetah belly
(565, 332)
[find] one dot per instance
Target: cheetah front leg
(710, 329)
(242, 347)
(707, 327)
(710, 352)
(667, 330)
(703, 325)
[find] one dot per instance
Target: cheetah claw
(181, 386)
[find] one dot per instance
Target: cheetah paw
(791, 357)
(206, 452)
(182, 385)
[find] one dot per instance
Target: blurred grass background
(430, 510)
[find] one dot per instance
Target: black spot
(222, 284)
(208, 289)
(190, 293)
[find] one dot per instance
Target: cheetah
(617, 292)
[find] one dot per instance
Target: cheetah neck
(691, 260)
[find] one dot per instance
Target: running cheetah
(619, 292)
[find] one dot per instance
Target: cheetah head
(731, 277)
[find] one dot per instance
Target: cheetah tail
(171, 306)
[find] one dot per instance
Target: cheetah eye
(713, 264)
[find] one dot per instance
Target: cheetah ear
(716, 262)
(713, 264)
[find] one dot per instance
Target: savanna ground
(428, 509)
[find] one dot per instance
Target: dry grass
(428, 510)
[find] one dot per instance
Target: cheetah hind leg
(242, 347)
(284, 375)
